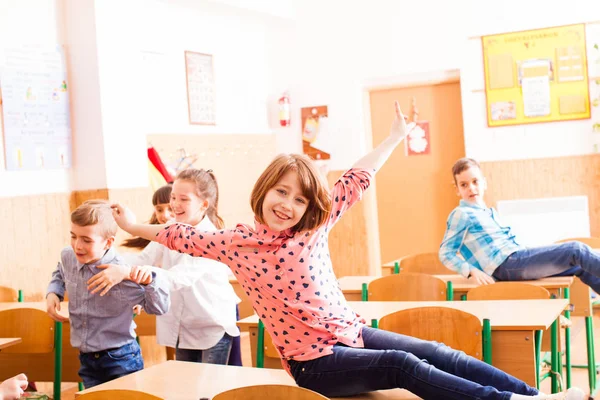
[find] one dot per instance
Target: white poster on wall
(536, 96)
(35, 103)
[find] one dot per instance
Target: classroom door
(415, 193)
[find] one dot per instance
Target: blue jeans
(218, 354)
(389, 360)
(235, 356)
(567, 259)
(103, 366)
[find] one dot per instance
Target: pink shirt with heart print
(287, 276)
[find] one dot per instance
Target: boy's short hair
(312, 184)
(462, 165)
(96, 212)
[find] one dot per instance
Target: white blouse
(200, 313)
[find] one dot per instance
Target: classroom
(469, 270)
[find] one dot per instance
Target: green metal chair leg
(487, 341)
(81, 386)
(463, 297)
(449, 291)
(554, 355)
(58, 326)
(260, 345)
(567, 295)
(365, 292)
(589, 333)
(374, 323)
(538, 355)
(20, 296)
(396, 267)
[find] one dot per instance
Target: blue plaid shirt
(476, 239)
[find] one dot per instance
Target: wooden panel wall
(237, 161)
(34, 230)
(547, 177)
(350, 241)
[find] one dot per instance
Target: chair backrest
(593, 242)
(457, 329)
(8, 294)
(508, 291)
(407, 286)
(34, 327)
(118, 394)
(424, 263)
(273, 392)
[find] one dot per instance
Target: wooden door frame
(370, 200)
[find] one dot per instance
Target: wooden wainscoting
(546, 177)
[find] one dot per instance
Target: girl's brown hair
(207, 189)
(162, 195)
(312, 184)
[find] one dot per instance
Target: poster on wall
(536, 76)
(316, 138)
(200, 81)
(35, 106)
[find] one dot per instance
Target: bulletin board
(536, 76)
(35, 108)
(200, 80)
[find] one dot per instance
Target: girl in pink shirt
(283, 264)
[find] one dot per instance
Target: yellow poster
(536, 76)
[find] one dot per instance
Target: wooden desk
(245, 306)
(7, 342)
(513, 325)
(206, 380)
(352, 285)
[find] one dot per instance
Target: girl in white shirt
(201, 322)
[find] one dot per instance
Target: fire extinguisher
(284, 110)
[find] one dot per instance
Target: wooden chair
(118, 394)
(273, 392)
(581, 299)
(508, 291)
(518, 291)
(406, 287)
(423, 263)
(455, 328)
(8, 294)
(38, 333)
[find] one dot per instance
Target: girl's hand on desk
(112, 275)
(124, 217)
(13, 388)
(480, 277)
(53, 307)
(137, 310)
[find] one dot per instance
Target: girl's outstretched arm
(376, 158)
(126, 221)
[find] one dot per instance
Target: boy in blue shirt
(102, 326)
(477, 245)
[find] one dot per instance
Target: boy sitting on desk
(102, 326)
(481, 248)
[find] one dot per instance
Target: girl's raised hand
(124, 217)
(399, 128)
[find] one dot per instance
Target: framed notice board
(536, 76)
(200, 80)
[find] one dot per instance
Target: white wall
(535, 140)
(342, 46)
(142, 74)
(31, 22)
